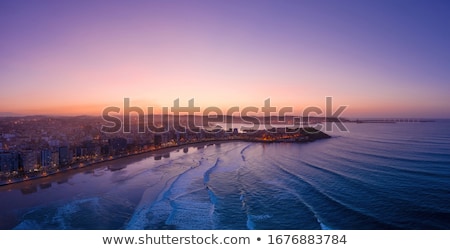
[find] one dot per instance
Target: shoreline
(107, 162)
(78, 167)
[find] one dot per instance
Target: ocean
(376, 176)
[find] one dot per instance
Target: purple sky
(382, 58)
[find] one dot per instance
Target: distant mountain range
(4, 114)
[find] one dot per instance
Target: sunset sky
(381, 58)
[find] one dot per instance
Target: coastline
(81, 167)
(120, 160)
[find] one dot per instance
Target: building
(9, 161)
(161, 139)
(157, 140)
(65, 157)
(29, 160)
(118, 145)
(46, 158)
(80, 152)
(55, 159)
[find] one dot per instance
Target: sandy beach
(157, 178)
(114, 164)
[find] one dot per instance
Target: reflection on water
(62, 181)
(29, 189)
(160, 156)
(45, 185)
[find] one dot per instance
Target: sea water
(375, 176)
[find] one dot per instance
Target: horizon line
(349, 118)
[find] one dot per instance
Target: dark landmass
(38, 146)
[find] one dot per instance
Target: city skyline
(381, 58)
